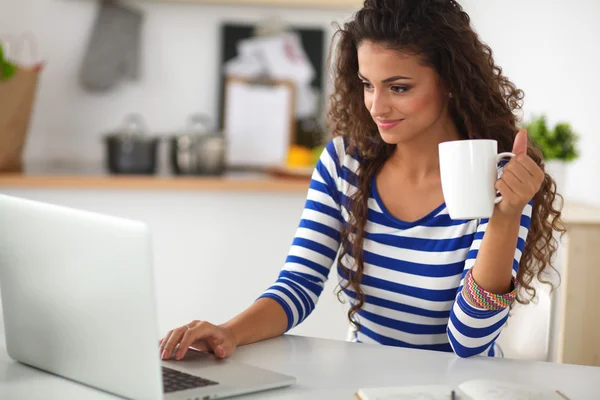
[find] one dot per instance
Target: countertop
(80, 175)
(327, 369)
(231, 182)
(573, 211)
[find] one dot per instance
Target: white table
(328, 369)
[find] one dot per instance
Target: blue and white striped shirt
(413, 272)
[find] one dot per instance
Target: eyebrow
(387, 80)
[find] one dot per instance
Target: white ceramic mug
(469, 171)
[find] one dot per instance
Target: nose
(380, 104)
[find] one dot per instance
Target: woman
(409, 75)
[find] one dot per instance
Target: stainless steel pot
(198, 151)
(129, 150)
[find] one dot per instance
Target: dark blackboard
(313, 41)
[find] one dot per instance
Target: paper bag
(17, 97)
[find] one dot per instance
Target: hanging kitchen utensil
(113, 49)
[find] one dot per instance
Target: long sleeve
(316, 243)
(473, 330)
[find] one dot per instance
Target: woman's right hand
(200, 335)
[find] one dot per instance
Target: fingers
(504, 188)
(526, 171)
(205, 333)
(225, 349)
(172, 342)
(201, 346)
(214, 344)
(519, 180)
(218, 347)
(517, 169)
(520, 144)
(518, 187)
(172, 339)
(529, 165)
(200, 335)
(163, 341)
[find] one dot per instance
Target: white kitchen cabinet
(217, 245)
(576, 309)
(563, 326)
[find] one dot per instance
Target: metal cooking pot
(198, 151)
(130, 150)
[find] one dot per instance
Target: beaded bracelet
(484, 299)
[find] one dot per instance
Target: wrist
(503, 219)
(479, 297)
(230, 327)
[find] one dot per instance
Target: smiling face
(404, 97)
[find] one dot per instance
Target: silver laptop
(78, 300)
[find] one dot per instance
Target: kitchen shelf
(332, 4)
(239, 182)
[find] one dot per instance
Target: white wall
(181, 57)
(548, 48)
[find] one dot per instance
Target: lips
(388, 124)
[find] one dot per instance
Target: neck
(419, 157)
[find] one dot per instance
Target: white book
(469, 390)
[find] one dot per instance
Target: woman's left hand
(521, 179)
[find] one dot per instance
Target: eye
(399, 89)
(367, 85)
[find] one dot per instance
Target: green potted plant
(558, 145)
(7, 69)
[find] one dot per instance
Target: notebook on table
(469, 390)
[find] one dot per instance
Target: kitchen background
(216, 251)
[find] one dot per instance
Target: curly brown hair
(483, 106)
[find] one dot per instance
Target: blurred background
(204, 119)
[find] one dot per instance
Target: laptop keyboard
(174, 381)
